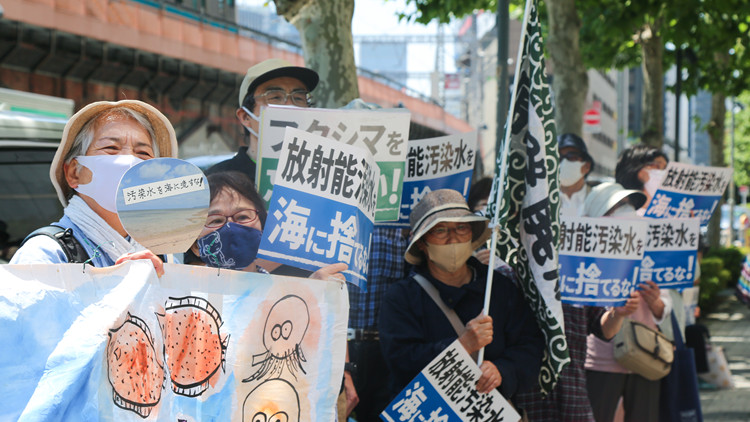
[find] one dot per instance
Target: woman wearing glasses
(233, 229)
(414, 328)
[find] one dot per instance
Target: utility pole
(502, 22)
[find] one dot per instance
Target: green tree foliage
(741, 140)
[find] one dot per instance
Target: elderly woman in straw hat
(607, 380)
(99, 144)
(413, 327)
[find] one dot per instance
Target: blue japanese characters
(600, 259)
(323, 205)
(689, 191)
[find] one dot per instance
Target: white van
(31, 127)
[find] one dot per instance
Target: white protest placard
(121, 344)
(600, 259)
(446, 391)
(445, 162)
(323, 206)
(689, 191)
(671, 252)
(383, 133)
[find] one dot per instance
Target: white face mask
(254, 117)
(625, 210)
(106, 172)
(570, 172)
(450, 257)
(655, 177)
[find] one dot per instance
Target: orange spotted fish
(194, 348)
(135, 373)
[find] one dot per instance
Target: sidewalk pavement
(729, 326)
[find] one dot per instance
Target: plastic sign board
(600, 259)
(689, 191)
(445, 162)
(383, 133)
(323, 206)
(671, 252)
(445, 391)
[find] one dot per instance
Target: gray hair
(85, 136)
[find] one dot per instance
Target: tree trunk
(716, 136)
(652, 51)
(570, 83)
(326, 30)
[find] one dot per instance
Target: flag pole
(494, 225)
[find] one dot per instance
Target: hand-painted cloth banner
(197, 344)
(383, 133)
(525, 198)
(446, 162)
(323, 206)
(600, 259)
(689, 191)
(671, 252)
(445, 391)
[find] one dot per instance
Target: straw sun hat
(443, 205)
(163, 131)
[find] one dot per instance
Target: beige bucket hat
(443, 205)
(163, 131)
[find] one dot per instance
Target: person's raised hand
(332, 271)
(158, 264)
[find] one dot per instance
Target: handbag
(718, 371)
(679, 400)
(645, 351)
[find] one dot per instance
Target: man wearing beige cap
(273, 81)
(99, 144)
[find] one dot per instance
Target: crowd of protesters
(425, 284)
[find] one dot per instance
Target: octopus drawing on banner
(284, 330)
(273, 400)
(194, 347)
(134, 370)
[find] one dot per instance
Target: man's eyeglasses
(573, 156)
(279, 97)
(244, 217)
(441, 232)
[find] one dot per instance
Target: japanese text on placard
(163, 189)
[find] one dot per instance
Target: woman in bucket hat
(606, 380)
(99, 144)
(413, 327)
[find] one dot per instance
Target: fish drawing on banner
(285, 328)
(135, 373)
(194, 347)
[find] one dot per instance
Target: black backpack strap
(72, 248)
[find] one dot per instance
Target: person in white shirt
(575, 165)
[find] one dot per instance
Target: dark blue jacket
(413, 329)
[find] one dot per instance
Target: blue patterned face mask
(233, 246)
